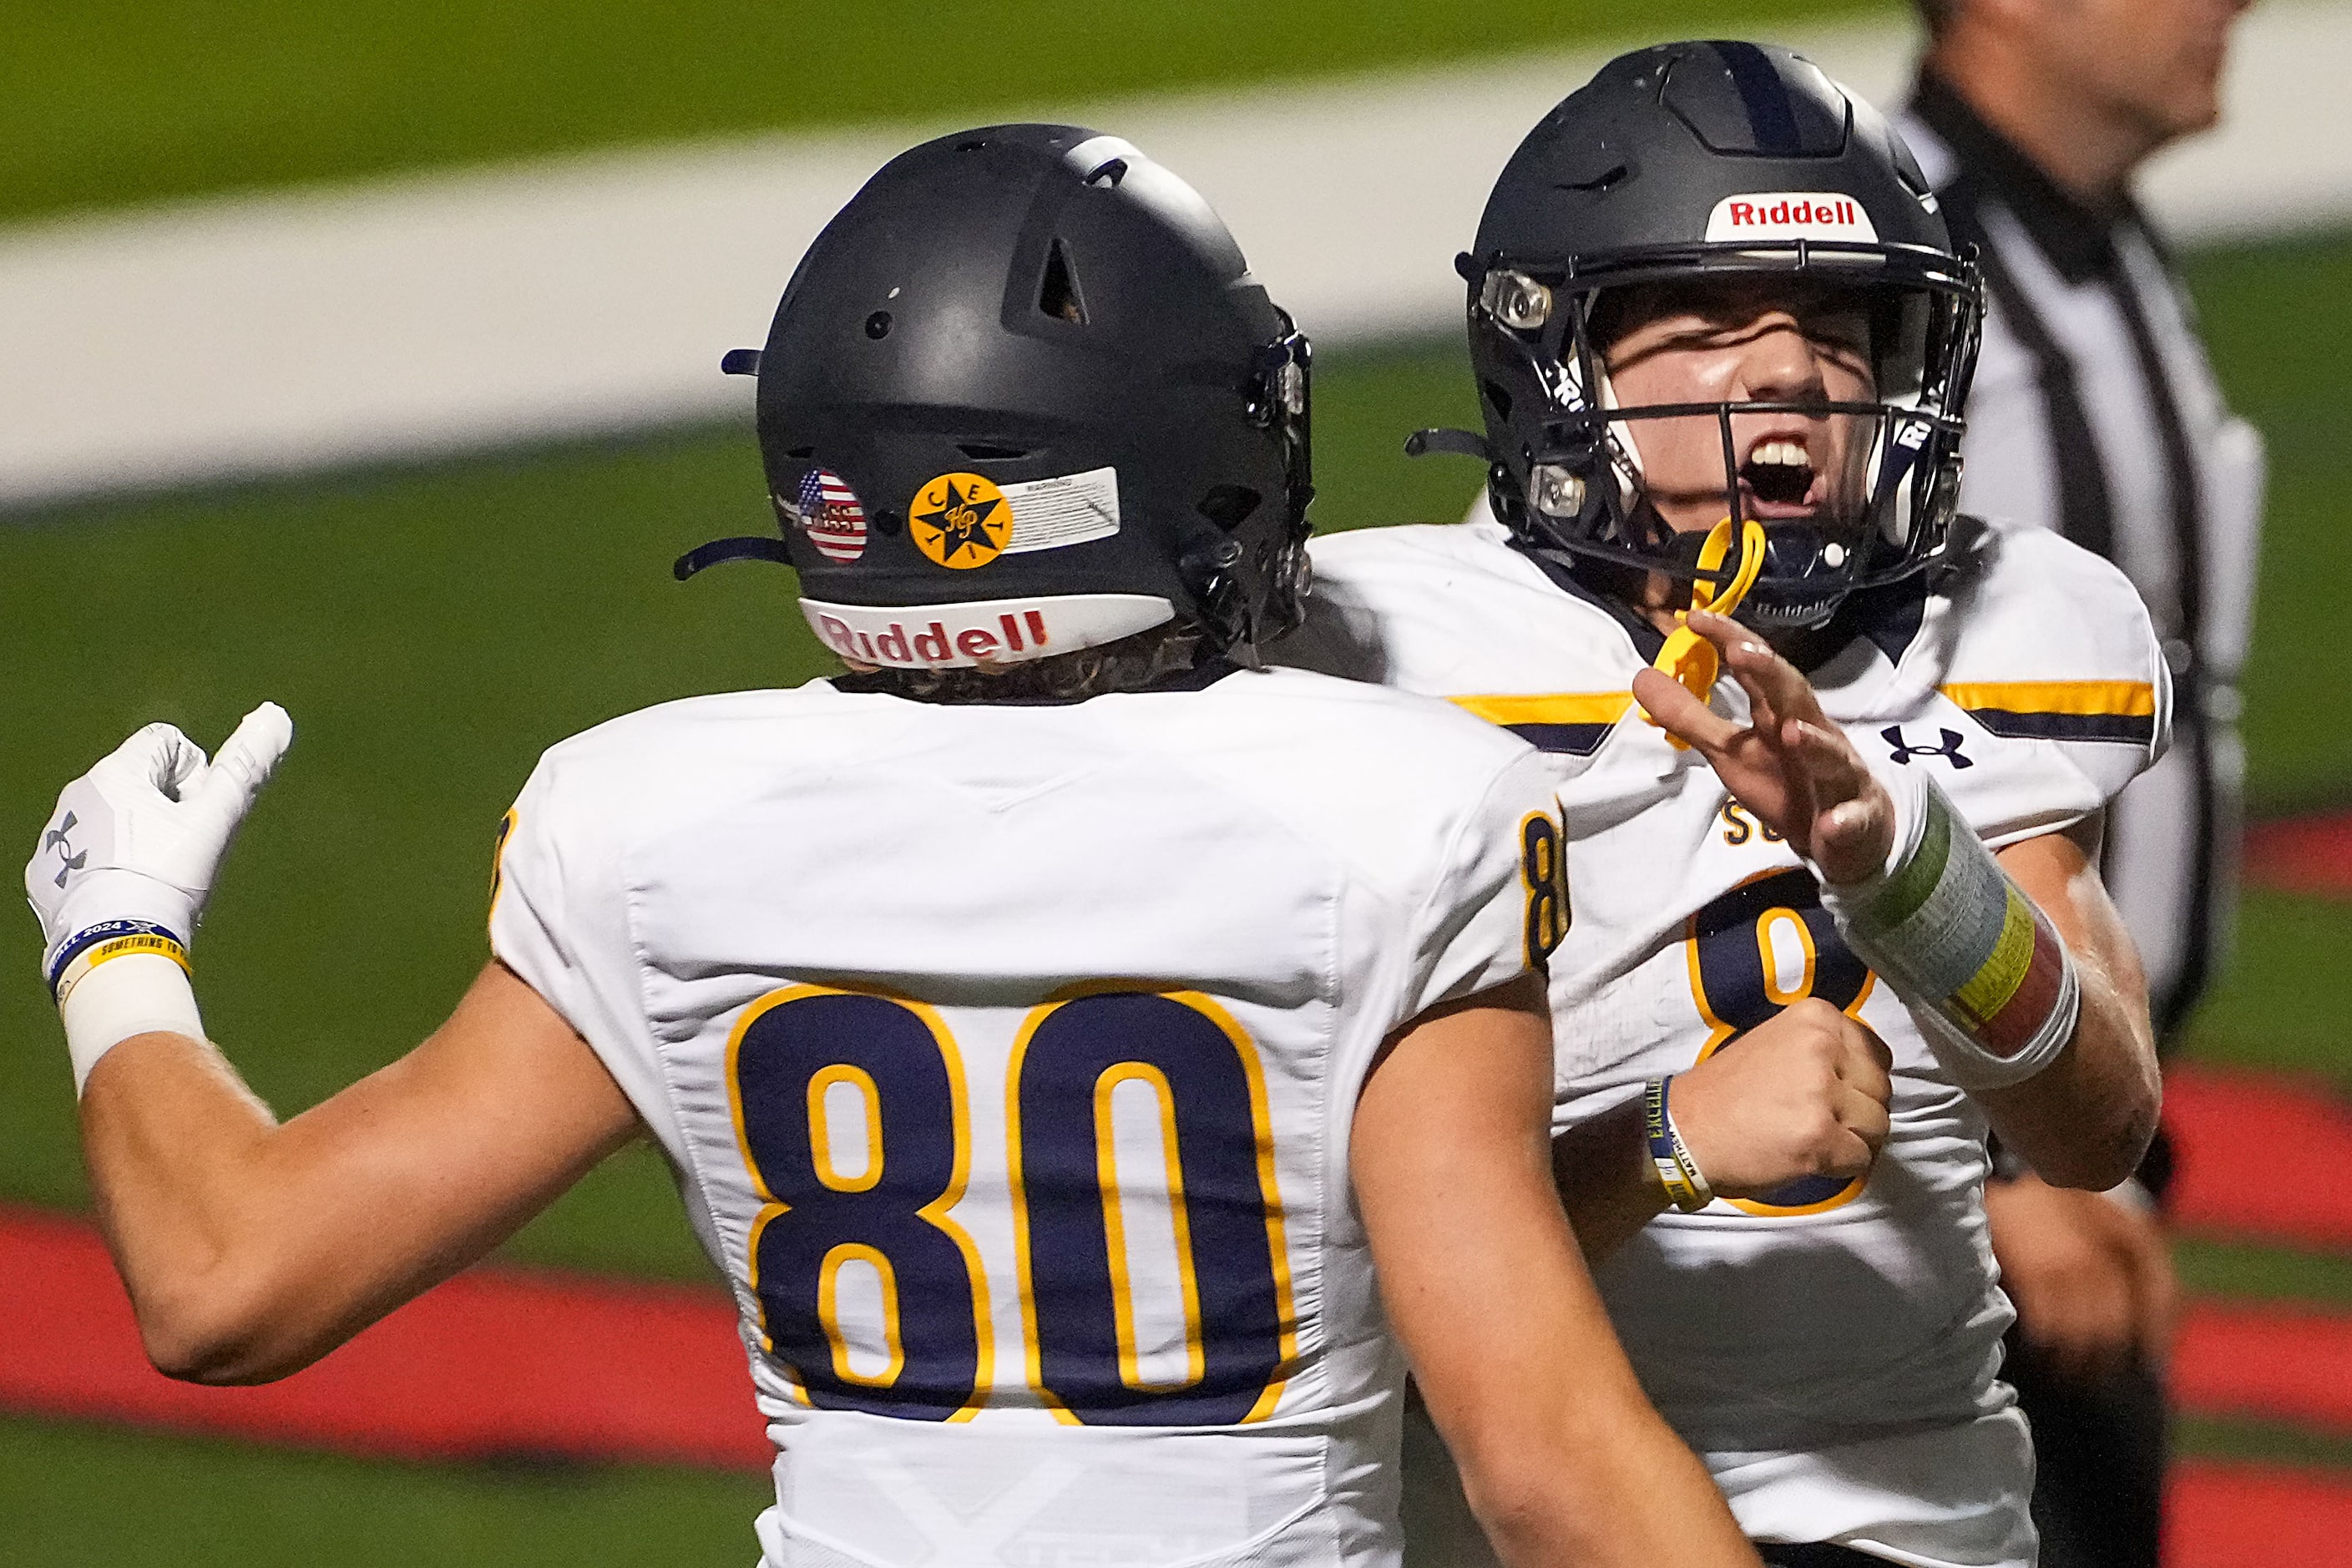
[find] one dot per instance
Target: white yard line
(444, 313)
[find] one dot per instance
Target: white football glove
(134, 843)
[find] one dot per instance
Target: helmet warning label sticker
(960, 521)
(826, 510)
(963, 520)
(1791, 215)
(1071, 509)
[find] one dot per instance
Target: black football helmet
(1688, 162)
(1022, 396)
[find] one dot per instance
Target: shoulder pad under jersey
(2053, 644)
(1449, 609)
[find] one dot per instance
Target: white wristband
(137, 994)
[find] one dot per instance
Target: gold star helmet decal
(960, 521)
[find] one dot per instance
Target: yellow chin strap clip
(1689, 658)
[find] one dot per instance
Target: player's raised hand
(140, 836)
(1804, 1094)
(1789, 764)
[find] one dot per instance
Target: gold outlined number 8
(1737, 947)
(1543, 869)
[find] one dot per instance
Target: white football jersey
(1832, 1349)
(1006, 1056)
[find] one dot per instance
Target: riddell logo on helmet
(1791, 215)
(934, 645)
(1002, 631)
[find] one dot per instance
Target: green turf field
(75, 1496)
(431, 630)
(2281, 332)
(112, 101)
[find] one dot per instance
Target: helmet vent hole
(990, 452)
(1498, 398)
(1108, 175)
(1057, 295)
(1598, 183)
(877, 325)
(1229, 506)
(888, 523)
(973, 146)
(803, 452)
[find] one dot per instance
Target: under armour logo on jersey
(56, 840)
(1949, 749)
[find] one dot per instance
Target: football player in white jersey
(1722, 341)
(1049, 1024)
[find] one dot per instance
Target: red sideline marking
(493, 1362)
(2302, 855)
(2278, 1361)
(2261, 1154)
(2255, 1516)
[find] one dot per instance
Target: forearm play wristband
(1687, 1189)
(117, 979)
(1993, 987)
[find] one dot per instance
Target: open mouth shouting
(1778, 480)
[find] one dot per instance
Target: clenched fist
(1804, 1094)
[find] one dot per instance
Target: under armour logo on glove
(56, 840)
(141, 835)
(1949, 750)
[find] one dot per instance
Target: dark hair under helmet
(1699, 160)
(1022, 396)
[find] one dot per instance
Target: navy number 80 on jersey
(805, 1051)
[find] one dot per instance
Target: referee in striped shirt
(2094, 413)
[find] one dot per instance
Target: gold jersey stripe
(1549, 708)
(2126, 698)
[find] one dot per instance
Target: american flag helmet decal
(831, 516)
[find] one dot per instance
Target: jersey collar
(1199, 679)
